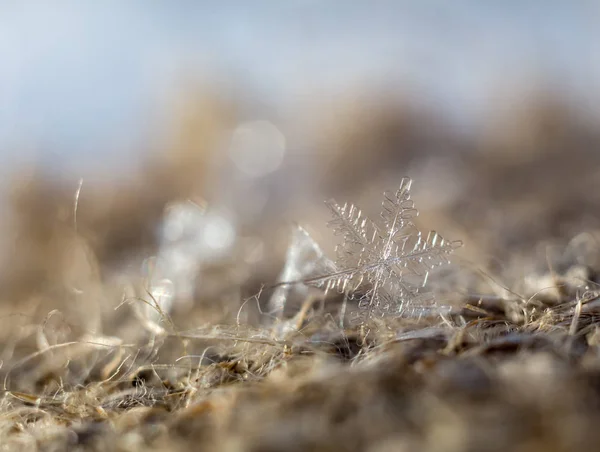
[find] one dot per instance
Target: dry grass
(515, 365)
(482, 379)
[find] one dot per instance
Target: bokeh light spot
(257, 148)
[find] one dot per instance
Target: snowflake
(384, 266)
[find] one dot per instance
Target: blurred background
(176, 143)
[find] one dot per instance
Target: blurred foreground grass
(86, 365)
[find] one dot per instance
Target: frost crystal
(384, 266)
(304, 258)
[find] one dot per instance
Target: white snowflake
(384, 266)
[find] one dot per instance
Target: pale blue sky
(82, 77)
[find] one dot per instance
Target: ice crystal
(384, 266)
(304, 259)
